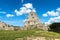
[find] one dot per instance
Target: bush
(55, 27)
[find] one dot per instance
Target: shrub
(55, 27)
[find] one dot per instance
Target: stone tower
(32, 21)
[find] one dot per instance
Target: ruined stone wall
(32, 20)
(4, 26)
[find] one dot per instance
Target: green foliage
(55, 27)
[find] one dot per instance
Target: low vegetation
(12, 35)
(55, 27)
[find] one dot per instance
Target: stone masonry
(32, 21)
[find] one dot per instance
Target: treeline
(55, 27)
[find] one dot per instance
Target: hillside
(12, 35)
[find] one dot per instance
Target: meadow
(12, 35)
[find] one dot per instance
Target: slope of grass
(12, 35)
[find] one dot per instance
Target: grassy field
(12, 35)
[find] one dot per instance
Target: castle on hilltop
(32, 21)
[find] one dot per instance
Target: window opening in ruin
(32, 17)
(3, 26)
(28, 22)
(31, 14)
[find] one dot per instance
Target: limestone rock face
(32, 21)
(4, 26)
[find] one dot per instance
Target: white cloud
(26, 8)
(55, 16)
(58, 9)
(52, 13)
(52, 20)
(9, 15)
(45, 15)
(28, 5)
(23, 8)
(34, 10)
(21, 11)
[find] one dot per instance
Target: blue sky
(14, 12)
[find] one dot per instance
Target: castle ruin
(32, 21)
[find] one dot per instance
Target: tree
(55, 27)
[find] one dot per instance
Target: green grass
(12, 35)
